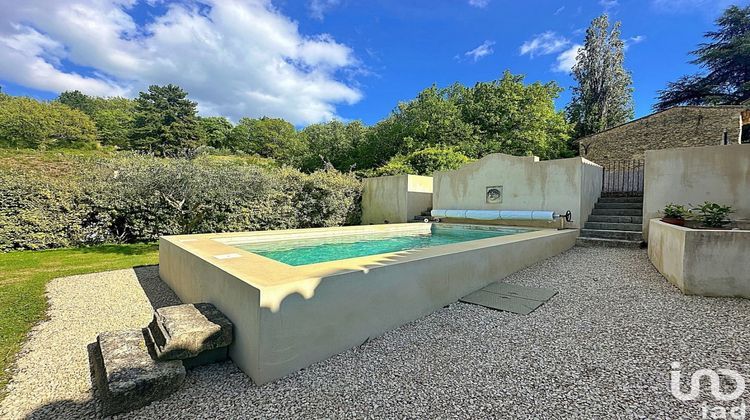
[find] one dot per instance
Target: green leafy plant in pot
(713, 215)
(674, 214)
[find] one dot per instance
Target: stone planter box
(700, 261)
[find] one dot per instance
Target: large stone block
(195, 333)
(125, 375)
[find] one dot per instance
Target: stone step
(615, 219)
(634, 199)
(611, 234)
(635, 227)
(601, 205)
(197, 334)
(617, 212)
(609, 243)
(125, 375)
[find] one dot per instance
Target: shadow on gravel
(158, 293)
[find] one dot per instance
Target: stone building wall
(685, 126)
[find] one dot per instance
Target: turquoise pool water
(315, 250)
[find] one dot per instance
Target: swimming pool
(298, 252)
(288, 316)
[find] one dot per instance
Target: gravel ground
(601, 348)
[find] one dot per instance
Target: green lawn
(24, 274)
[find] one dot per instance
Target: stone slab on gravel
(125, 375)
(188, 330)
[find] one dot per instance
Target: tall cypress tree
(726, 60)
(603, 97)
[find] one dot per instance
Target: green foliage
(511, 117)
(214, 131)
(713, 215)
(165, 122)
(674, 211)
(334, 142)
(603, 97)
(131, 198)
(27, 123)
(268, 137)
(725, 59)
(423, 162)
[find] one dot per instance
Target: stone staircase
(614, 222)
(133, 368)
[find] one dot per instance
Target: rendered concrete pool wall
(527, 184)
(395, 199)
(287, 318)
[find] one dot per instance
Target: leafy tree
(268, 137)
(335, 142)
(113, 116)
(77, 100)
(511, 117)
(27, 123)
(431, 119)
(165, 122)
(423, 162)
(214, 131)
(726, 61)
(603, 97)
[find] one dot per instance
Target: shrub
(713, 215)
(130, 198)
(674, 211)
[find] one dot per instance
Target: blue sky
(314, 60)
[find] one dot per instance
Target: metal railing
(623, 177)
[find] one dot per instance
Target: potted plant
(674, 214)
(713, 215)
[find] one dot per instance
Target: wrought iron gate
(623, 177)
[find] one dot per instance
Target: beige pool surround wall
(528, 184)
(287, 318)
(395, 199)
(701, 262)
(692, 175)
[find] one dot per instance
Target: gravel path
(601, 348)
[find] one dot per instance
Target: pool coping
(218, 249)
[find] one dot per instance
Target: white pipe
(496, 214)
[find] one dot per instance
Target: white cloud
(318, 8)
(481, 51)
(609, 4)
(559, 10)
(479, 3)
(543, 44)
(634, 40)
(567, 59)
(235, 57)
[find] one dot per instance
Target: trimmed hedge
(131, 198)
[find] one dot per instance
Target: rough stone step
(197, 334)
(634, 199)
(125, 375)
(611, 234)
(601, 205)
(609, 243)
(635, 227)
(615, 219)
(617, 212)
